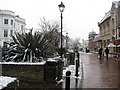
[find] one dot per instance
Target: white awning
(118, 45)
(111, 45)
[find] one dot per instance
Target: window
(5, 44)
(113, 22)
(104, 42)
(14, 25)
(11, 22)
(11, 32)
(113, 32)
(119, 31)
(5, 21)
(108, 41)
(21, 27)
(5, 32)
(108, 25)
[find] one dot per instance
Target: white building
(9, 24)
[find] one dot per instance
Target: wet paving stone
(99, 73)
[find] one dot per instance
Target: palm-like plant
(31, 47)
(37, 45)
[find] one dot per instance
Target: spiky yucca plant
(31, 47)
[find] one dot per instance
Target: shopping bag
(98, 56)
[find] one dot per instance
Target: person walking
(100, 53)
(106, 52)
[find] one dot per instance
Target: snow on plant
(28, 47)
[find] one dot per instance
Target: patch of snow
(4, 81)
(60, 81)
(51, 60)
(24, 63)
(57, 57)
(71, 68)
(70, 50)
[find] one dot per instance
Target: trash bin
(50, 71)
(72, 58)
(68, 56)
(87, 50)
(60, 68)
(60, 65)
(0, 53)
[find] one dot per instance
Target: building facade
(9, 24)
(106, 29)
(117, 41)
(97, 42)
(92, 43)
(109, 27)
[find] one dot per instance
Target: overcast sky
(79, 17)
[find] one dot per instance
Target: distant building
(9, 24)
(97, 42)
(84, 44)
(91, 44)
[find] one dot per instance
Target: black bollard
(76, 69)
(78, 57)
(76, 82)
(67, 84)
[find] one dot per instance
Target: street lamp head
(61, 7)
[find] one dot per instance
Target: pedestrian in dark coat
(100, 52)
(106, 52)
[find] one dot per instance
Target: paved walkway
(74, 81)
(99, 73)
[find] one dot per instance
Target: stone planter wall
(25, 72)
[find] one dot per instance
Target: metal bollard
(76, 82)
(76, 72)
(67, 84)
(78, 57)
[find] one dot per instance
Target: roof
(92, 34)
(97, 38)
(107, 15)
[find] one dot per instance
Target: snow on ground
(88, 52)
(51, 60)
(71, 68)
(4, 81)
(24, 63)
(74, 81)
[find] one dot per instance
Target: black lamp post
(66, 41)
(61, 7)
